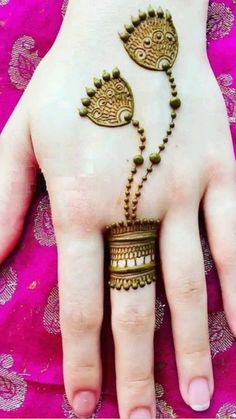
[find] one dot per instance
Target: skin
(86, 168)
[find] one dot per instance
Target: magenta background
(37, 353)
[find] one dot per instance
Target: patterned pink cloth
(31, 383)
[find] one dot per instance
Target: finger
(80, 270)
(220, 214)
(183, 270)
(133, 323)
(17, 180)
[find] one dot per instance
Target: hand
(86, 167)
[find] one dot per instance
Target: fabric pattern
(31, 382)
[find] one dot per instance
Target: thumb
(17, 179)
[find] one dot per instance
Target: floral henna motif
(111, 103)
(151, 40)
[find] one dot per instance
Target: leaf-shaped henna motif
(111, 103)
(151, 40)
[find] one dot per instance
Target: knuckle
(133, 319)
(74, 209)
(180, 188)
(186, 288)
(217, 169)
(79, 319)
(225, 257)
(197, 354)
(140, 384)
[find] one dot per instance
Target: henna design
(151, 40)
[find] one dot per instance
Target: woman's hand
(86, 167)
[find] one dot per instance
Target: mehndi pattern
(152, 42)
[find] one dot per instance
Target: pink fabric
(31, 383)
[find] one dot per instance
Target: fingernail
(199, 395)
(142, 413)
(84, 403)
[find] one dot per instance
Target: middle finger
(133, 323)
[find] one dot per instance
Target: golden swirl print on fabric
(159, 314)
(12, 386)
(51, 319)
(163, 410)
(8, 283)
(208, 260)
(24, 60)
(229, 92)
(43, 227)
(227, 411)
(64, 7)
(220, 335)
(220, 21)
(151, 40)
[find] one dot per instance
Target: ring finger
(185, 285)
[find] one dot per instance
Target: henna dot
(161, 147)
(155, 158)
(175, 103)
(106, 76)
(129, 28)
(160, 13)
(142, 15)
(136, 21)
(135, 123)
(128, 117)
(90, 92)
(165, 140)
(116, 73)
(173, 115)
(83, 112)
(151, 12)
(126, 285)
(138, 159)
(165, 66)
(98, 83)
(86, 101)
(140, 130)
(124, 36)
